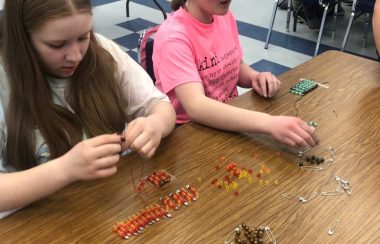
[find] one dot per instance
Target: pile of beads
(303, 87)
(135, 224)
(245, 234)
(237, 174)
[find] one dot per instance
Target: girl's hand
(265, 84)
(292, 131)
(143, 135)
(93, 158)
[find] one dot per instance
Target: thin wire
(273, 100)
(142, 169)
(294, 105)
(133, 178)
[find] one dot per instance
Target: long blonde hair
(92, 91)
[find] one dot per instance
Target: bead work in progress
(249, 234)
(303, 87)
(135, 224)
(316, 161)
(156, 179)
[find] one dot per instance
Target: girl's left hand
(266, 84)
(143, 136)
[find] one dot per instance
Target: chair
(277, 3)
(297, 12)
(325, 5)
(155, 1)
(145, 50)
(359, 7)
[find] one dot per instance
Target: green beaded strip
(303, 87)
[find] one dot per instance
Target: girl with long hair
(66, 97)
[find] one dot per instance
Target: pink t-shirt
(186, 50)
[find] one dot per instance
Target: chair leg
(161, 8)
(288, 15)
(127, 7)
(271, 22)
(366, 28)
(347, 31)
(295, 15)
(321, 29)
(334, 22)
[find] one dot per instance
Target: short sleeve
(176, 64)
(136, 85)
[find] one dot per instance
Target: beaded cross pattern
(303, 86)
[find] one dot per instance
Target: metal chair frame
(355, 13)
(155, 1)
(271, 22)
(325, 5)
(142, 45)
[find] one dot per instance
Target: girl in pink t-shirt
(198, 63)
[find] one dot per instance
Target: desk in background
(347, 114)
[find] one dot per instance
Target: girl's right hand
(93, 158)
(292, 131)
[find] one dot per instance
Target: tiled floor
(285, 51)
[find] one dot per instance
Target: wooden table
(348, 120)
